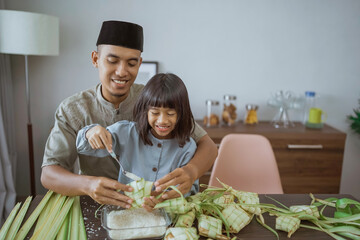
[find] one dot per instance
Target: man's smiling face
(118, 68)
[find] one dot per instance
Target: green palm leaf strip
(51, 217)
(51, 228)
(64, 233)
(6, 226)
(54, 198)
(19, 218)
(32, 218)
(75, 219)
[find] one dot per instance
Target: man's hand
(183, 178)
(99, 138)
(106, 191)
(103, 190)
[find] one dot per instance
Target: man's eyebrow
(116, 56)
(112, 55)
(133, 59)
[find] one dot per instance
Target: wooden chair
(247, 163)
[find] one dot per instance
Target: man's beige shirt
(82, 109)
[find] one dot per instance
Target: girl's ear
(95, 58)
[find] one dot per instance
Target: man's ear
(95, 58)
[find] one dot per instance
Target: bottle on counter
(310, 102)
(229, 115)
(211, 118)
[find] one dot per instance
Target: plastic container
(211, 118)
(118, 223)
(310, 102)
(229, 115)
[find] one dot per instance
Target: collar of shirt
(123, 105)
(159, 142)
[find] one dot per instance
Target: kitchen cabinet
(309, 160)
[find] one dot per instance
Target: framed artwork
(146, 71)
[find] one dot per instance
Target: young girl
(157, 142)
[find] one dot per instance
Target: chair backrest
(247, 163)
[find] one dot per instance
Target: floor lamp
(26, 33)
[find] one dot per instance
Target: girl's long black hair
(165, 90)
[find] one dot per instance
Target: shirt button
(154, 169)
(159, 145)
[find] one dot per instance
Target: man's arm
(101, 189)
(59, 157)
(184, 177)
(203, 159)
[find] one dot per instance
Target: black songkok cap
(124, 34)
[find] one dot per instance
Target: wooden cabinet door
(304, 169)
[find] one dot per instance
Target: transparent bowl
(123, 223)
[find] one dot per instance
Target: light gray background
(248, 48)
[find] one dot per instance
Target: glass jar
(251, 114)
(229, 115)
(211, 118)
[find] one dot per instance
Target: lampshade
(28, 33)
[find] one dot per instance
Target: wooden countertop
(266, 129)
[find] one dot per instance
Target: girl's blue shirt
(149, 162)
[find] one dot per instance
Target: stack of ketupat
(345, 223)
(56, 217)
(220, 210)
(213, 208)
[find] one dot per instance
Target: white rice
(135, 223)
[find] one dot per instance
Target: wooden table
(252, 231)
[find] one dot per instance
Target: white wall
(247, 48)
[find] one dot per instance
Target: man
(118, 58)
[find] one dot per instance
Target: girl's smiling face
(162, 121)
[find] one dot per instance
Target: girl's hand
(180, 177)
(150, 202)
(99, 138)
